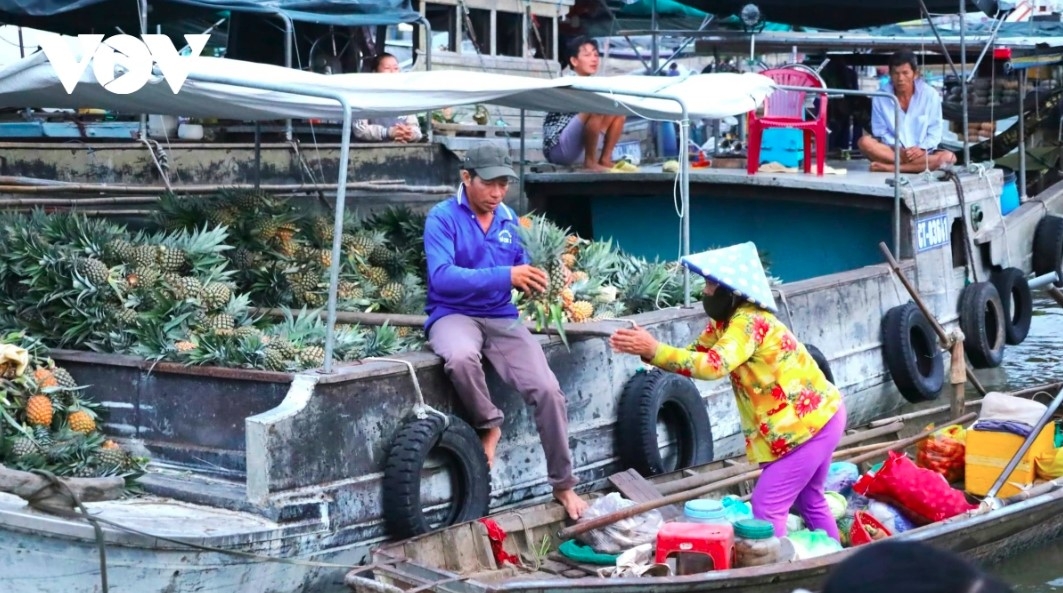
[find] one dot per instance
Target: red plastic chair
(786, 109)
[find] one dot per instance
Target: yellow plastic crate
(988, 454)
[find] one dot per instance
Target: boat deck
(856, 179)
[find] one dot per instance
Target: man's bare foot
(607, 163)
(572, 502)
(881, 167)
(490, 438)
(594, 166)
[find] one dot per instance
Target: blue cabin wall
(802, 240)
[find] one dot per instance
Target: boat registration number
(932, 232)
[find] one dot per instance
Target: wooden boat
(459, 558)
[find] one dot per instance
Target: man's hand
(528, 278)
(400, 133)
(913, 154)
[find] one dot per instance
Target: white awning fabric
(32, 82)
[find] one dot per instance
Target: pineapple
(304, 281)
(143, 277)
(314, 300)
(276, 359)
(86, 470)
(568, 297)
(123, 315)
(170, 260)
(544, 244)
(349, 290)
(222, 216)
(64, 378)
(384, 257)
(220, 321)
(143, 256)
(94, 271)
(363, 243)
(324, 257)
(24, 447)
(266, 229)
(45, 378)
(39, 410)
(81, 421)
(184, 346)
(580, 276)
(311, 357)
(112, 457)
(43, 436)
(286, 244)
(392, 293)
(581, 311)
(376, 276)
(118, 251)
(526, 222)
(244, 258)
(216, 295)
(569, 260)
(183, 287)
(249, 200)
(323, 230)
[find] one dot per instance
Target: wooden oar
(679, 497)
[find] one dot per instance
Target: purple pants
(798, 477)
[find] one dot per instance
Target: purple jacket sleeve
(445, 275)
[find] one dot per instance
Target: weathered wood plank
(636, 488)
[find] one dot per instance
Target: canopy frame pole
(963, 88)
(341, 188)
(142, 8)
(289, 43)
(423, 21)
(896, 153)
(937, 35)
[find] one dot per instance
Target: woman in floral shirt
(792, 416)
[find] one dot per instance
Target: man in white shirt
(921, 122)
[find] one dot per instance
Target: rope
(35, 499)
(158, 165)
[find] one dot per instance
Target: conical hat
(737, 267)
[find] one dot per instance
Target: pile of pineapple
(48, 423)
(591, 280)
(170, 295)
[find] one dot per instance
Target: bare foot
(572, 502)
(607, 163)
(881, 168)
(490, 438)
(594, 166)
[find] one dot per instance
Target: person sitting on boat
(909, 566)
(921, 122)
(383, 129)
(475, 259)
(792, 417)
(569, 137)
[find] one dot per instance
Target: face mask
(719, 305)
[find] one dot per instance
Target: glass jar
(756, 544)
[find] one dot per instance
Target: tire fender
(912, 355)
(821, 362)
(1017, 299)
(982, 321)
(654, 396)
(1048, 247)
(405, 514)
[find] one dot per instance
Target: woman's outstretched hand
(636, 341)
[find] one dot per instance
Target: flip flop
(624, 167)
(670, 166)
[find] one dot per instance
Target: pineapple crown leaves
(303, 329)
(203, 247)
(381, 340)
(543, 241)
(175, 212)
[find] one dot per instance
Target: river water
(1035, 361)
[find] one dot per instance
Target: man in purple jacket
(474, 260)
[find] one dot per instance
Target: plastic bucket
(1009, 195)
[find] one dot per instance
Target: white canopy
(33, 82)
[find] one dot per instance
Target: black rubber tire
(1048, 247)
(821, 361)
(982, 321)
(1017, 299)
(649, 395)
(471, 482)
(912, 354)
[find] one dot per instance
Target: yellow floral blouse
(783, 397)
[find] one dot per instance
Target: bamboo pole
(680, 497)
(926, 311)
(957, 376)
(210, 189)
(392, 319)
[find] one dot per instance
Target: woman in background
(387, 129)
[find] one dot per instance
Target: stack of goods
(1003, 425)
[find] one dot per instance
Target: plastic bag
(735, 509)
(624, 534)
(1049, 465)
(922, 495)
(943, 452)
(837, 504)
(841, 476)
(891, 518)
(810, 544)
(794, 523)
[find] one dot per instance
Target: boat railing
(896, 153)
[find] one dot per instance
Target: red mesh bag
(866, 529)
(943, 452)
(921, 494)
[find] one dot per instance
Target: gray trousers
(463, 342)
